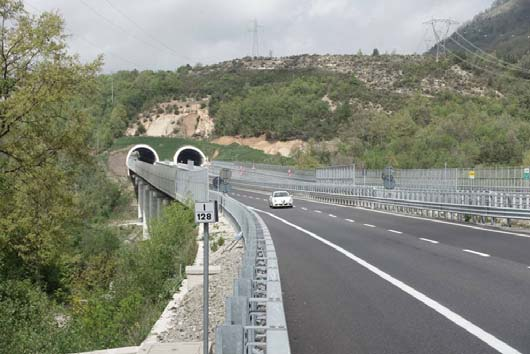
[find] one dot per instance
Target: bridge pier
(151, 202)
(138, 183)
(145, 211)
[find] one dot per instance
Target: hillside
(408, 111)
(503, 29)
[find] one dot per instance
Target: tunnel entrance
(144, 153)
(186, 153)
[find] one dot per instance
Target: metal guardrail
(254, 320)
(178, 181)
(488, 204)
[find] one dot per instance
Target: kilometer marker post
(205, 213)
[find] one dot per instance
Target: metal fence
(178, 181)
(509, 179)
(254, 320)
(494, 203)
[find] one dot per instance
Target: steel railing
(476, 203)
(507, 179)
(254, 320)
(181, 182)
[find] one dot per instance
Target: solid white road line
(349, 220)
(333, 216)
(427, 240)
(318, 211)
(304, 208)
(457, 319)
(396, 232)
(477, 253)
(369, 225)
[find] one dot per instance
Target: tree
(43, 137)
(375, 53)
(118, 120)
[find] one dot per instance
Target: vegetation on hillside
(502, 30)
(68, 281)
(373, 127)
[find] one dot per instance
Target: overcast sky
(164, 34)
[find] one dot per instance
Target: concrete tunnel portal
(144, 152)
(187, 153)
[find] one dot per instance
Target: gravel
(186, 324)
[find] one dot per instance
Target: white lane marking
(369, 225)
(294, 206)
(264, 200)
(349, 220)
(457, 319)
(318, 211)
(477, 253)
(304, 208)
(395, 231)
(419, 218)
(427, 240)
(333, 216)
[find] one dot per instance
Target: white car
(280, 199)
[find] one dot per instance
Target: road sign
(206, 213)
(526, 174)
(471, 174)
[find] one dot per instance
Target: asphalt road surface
(361, 281)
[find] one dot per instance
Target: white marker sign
(206, 213)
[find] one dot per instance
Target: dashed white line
(452, 316)
(349, 220)
(333, 216)
(318, 211)
(428, 240)
(369, 225)
(264, 200)
(304, 208)
(477, 253)
(395, 231)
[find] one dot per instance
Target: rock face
(187, 119)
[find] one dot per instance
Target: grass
(166, 148)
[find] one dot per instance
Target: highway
(361, 281)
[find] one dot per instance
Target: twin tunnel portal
(151, 200)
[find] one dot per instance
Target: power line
(492, 72)
(485, 58)
(122, 13)
(88, 41)
(109, 53)
(515, 67)
(99, 14)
